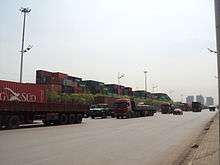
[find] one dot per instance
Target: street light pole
(24, 11)
(217, 24)
(145, 80)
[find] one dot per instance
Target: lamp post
(24, 11)
(217, 24)
(145, 80)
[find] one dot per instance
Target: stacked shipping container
(94, 87)
(67, 84)
(60, 82)
(128, 91)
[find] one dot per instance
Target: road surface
(149, 140)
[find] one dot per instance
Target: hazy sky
(96, 39)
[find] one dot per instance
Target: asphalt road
(140, 141)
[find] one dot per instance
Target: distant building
(189, 99)
(200, 98)
(209, 101)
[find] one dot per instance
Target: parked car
(99, 110)
(177, 111)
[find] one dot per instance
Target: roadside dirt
(186, 157)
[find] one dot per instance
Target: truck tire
(113, 115)
(78, 118)
(13, 122)
(46, 122)
(128, 115)
(132, 114)
(137, 114)
(104, 115)
(1, 120)
(93, 117)
(142, 114)
(63, 119)
(151, 114)
(72, 118)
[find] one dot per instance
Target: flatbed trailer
(22, 103)
(14, 113)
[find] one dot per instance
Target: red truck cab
(122, 106)
(127, 108)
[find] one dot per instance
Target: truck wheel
(112, 115)
(117, 116)
(72, 119)
(46, 122)
(93, 117)
(13, 122)
(1, 120)
(151, 114)
(78, 118)
(128, 115)
(104, 115)
(138, 114)
(63, 119)
(132, 114)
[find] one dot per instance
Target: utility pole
(217, 24)
(24, 11)
(145, 80)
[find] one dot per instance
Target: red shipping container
(43, 73)
(58, 75)
(53, 87)
(25, 92)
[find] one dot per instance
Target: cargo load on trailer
(13, 91)
(22, 103)
(196, 107)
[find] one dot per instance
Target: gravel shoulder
(205, 149)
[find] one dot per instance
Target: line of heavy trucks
(22, 103)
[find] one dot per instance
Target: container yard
(54, 100)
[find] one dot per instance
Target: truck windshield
(120, 104)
